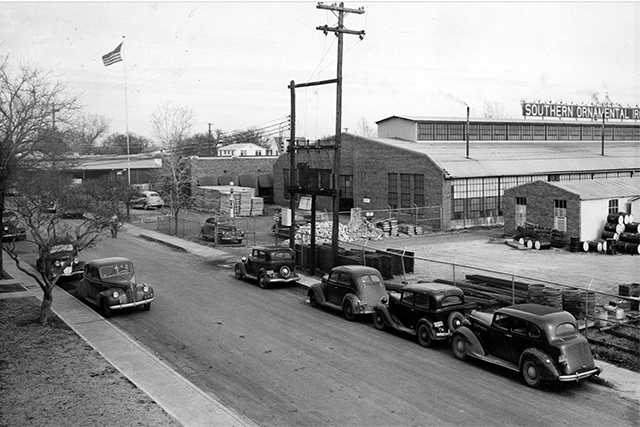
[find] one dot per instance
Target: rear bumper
(580, 375)
(293, 278)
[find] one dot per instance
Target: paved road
(276, 360)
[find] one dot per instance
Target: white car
(150, 199)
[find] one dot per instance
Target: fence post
(586, 311)
(454, 270)
(513, 287)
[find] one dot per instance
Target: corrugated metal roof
(120, 162)
(602, 188)
(530, 120)
(508, 158)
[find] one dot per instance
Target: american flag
(112, 57)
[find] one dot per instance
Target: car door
(500, 336)
(523, 335)
(340, 286)
(405, 309)
(92, 281)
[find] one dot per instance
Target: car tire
(424, 335)
(531, 373)
(459, 347)
(454, 321)
(312, 299)
(262, 280)
(147, 306)
(106, 311)
(239, 274)
(347, 311)
(378, 320)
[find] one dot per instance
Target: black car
(225, 232)
(12, 229)
(540, 342)
(432, 311)
(61, 262)
(268, 264)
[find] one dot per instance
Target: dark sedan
(540, 342)
(269, 265)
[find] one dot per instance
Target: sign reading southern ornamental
(579, 111)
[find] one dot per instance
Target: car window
(408, 297)
(533, 331)
(565, 329)
(518, 326)
(451, 300)
(120, 270)
(501, 321)
(282, 255)
(370, 278)
(333, 276)
(422, 301)
(262, 255)
(344, 279)
(152, 194)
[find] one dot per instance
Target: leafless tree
(365, 130)
(172, 125)
(494, 110)
(86, 132)
(36, 191)
(33, 108)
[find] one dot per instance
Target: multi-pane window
(392, 181)
(613, 206)
(346, 186)
(418, 189)
(500, 132)
(425, 132)
(538, 132)
(243, 152)
(486, 133)
(560, 214)
(405, 190)
(441, 131)
(456, 132)
(552, 132)
(258, 152)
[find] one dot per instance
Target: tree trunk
(47, 301)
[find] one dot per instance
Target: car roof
(539, 314)
(100, 262)
(358, 270)
(273, 248)
(432, 288)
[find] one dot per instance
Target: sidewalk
(174, 393)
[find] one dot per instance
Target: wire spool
(616, 218)
(535, 294)
(616, 228)
(632, 248)
(552, 298)
(629, 237)
(632, 227)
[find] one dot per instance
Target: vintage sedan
(540, 342)
(354, 289)
(224, 231)
(269, 265)
(11, 227)
(430, 311)
(149, 199)
(110, 284)
(62, 262)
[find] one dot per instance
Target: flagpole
(126, 113)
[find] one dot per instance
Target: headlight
(285, 272)
(6, 228)
(76, 260)
(57, 263)
(145, 288)
(115, 294)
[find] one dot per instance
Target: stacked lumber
(389, 226)
(217, 199)
(536, 237)
(410, 229)
(257, 206)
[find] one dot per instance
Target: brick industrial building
(423, 169)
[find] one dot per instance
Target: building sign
(594, 112)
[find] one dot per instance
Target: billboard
(593, 112)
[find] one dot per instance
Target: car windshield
(153, 194)
(123, 270)
(564, 329)
(451, 300)
(282, 255)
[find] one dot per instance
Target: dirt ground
(49, 376)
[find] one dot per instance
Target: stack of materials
(535, 294)
(218, 198)
(257, 206)
(621, 234)
(536, 237)
(410, 229)
(389, 226)
(552, 297)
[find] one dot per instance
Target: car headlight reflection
(145, 288)
(115, 294)
(57, 263)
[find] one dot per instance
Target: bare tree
(494, 110)
(365, 130)
(86, 132)
(33, 107)
(47, 230)
(172, 124)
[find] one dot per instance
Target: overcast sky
(231, 62)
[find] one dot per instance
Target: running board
(497, 361)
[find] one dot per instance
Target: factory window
(486, 133)
(456, 132)
(515, 132)
(500, 132)
(538, 132)
(441, 131)
(552, 132)
(458, 209)
(554, 177)
(392, 181)
(418, 189)
(560, 215)
(474, 132)
(346, 186)
(613, 206)
(405, 190)
(574, 133)
(475, 207)
(425, 132)
(563, 133)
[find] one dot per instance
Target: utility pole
(338, 31)
(209, 150)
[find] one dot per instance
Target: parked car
(226, 232)
(540, 342)
(11, 227)
(354, 289)
(268, 264)
(62, 262)
(432, 311)
(149, 199)
(110, 284)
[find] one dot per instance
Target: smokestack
(467, 132)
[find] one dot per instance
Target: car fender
(384, 309)
(352, 298)
(316, 288)
(243, 267)
(546, 367)
(474, 346)
(429, 324)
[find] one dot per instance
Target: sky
(231, 62)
